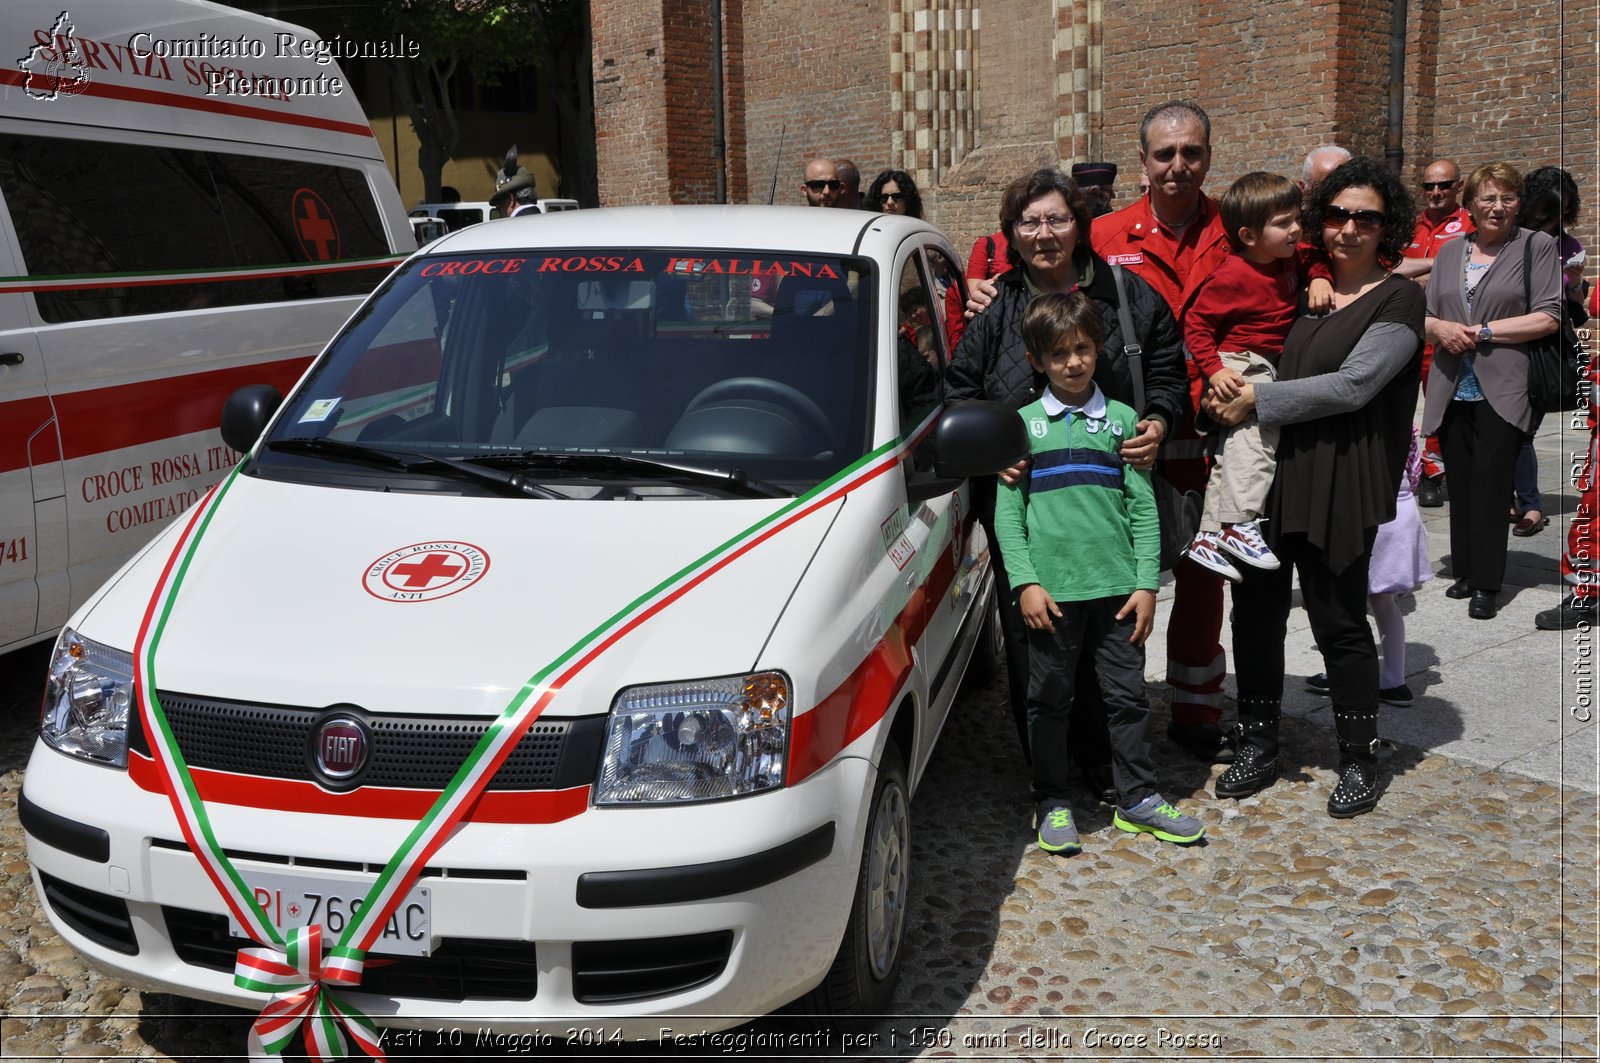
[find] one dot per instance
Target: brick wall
(1483, 81)
(817, 76)
(1531, 100)
(631, 141)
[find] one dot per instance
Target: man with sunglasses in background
(1443, 219)
(822, 185)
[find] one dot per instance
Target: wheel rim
(888, 864)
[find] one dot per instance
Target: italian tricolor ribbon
(262, 968)
(298, 976)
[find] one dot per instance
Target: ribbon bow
(298, 977)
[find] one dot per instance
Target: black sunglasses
(818, 186)
(1364, 219)
(893, 197)
(1439, 186)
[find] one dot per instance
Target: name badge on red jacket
(1135, 259)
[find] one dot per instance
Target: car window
(919, 355)
(663, 353)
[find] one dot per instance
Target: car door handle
(11, 358)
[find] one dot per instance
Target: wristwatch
(1485, 333)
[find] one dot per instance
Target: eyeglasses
(1058, 223)
(1439, 186)
(893, 197)
(818, 186)
(1504, 201)
(1337, 217)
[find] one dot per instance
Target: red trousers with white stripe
(1196, 663)
(1579, 560)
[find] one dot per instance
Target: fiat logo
(339, 747)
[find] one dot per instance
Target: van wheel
(989, 655)
(863, 975)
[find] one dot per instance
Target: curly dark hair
(874, 197)
(1549, 200)
(1029, 187)
(1399, 212)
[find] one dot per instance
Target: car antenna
(777, 160)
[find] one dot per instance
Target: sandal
(1530, 525)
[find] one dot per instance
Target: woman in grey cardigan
(1477, 395)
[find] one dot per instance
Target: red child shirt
(1243, 306)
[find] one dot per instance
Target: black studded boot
(1255, 764)
(1357, 790)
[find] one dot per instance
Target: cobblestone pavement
(1456, 921)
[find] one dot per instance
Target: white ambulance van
(174, 221)
(568, 647)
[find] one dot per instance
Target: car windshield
(742, 361)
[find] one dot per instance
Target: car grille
(611, 972)
(99, 917)
(408, 752)
(459, 969)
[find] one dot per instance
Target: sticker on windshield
(319, 410)
(425, 572)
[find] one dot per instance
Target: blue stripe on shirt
(1076, 476)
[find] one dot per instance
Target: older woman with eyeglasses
(1477, 397)
(1045, 220)
(894, 192)
(1343, 400)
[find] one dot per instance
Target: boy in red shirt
(1235, 329)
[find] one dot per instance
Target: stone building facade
(965, 94)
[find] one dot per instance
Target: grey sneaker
(1155, 816)
(1057, 834)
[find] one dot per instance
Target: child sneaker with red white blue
(1244, 542)
(1205, 552)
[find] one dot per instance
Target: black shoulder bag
(1556, 361)
(1179, 510)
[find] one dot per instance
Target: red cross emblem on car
(315, 226)
(424, 572)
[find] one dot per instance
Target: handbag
(1179, 511)
(1555, 362)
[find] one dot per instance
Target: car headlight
(696, 741)
(86, 700)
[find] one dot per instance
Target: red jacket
(1427, 238)
(1130, 238)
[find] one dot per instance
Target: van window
(101, 211)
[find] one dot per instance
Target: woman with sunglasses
(1477, 397)
(1045, 221)
(1343, 400)
(894, 192)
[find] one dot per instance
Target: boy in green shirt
(1081, 540)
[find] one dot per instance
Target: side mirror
(245, 415)
(976, 437)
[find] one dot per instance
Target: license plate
(292, 900)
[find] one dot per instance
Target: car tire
(989, 654)
(863, 976)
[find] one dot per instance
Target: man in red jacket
(1174, 239)
(1443, 219)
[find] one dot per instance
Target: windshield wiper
(409, 461)
(735, 479)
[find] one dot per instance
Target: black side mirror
(245, 415)
(976, 437)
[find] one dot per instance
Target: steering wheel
(766, 389)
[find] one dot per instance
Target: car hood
(442, 604)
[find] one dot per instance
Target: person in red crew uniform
(1173, 238)
(1443, 219)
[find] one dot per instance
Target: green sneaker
(1154, 816)
(1056, 831)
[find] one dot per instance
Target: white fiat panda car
(569, 642)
